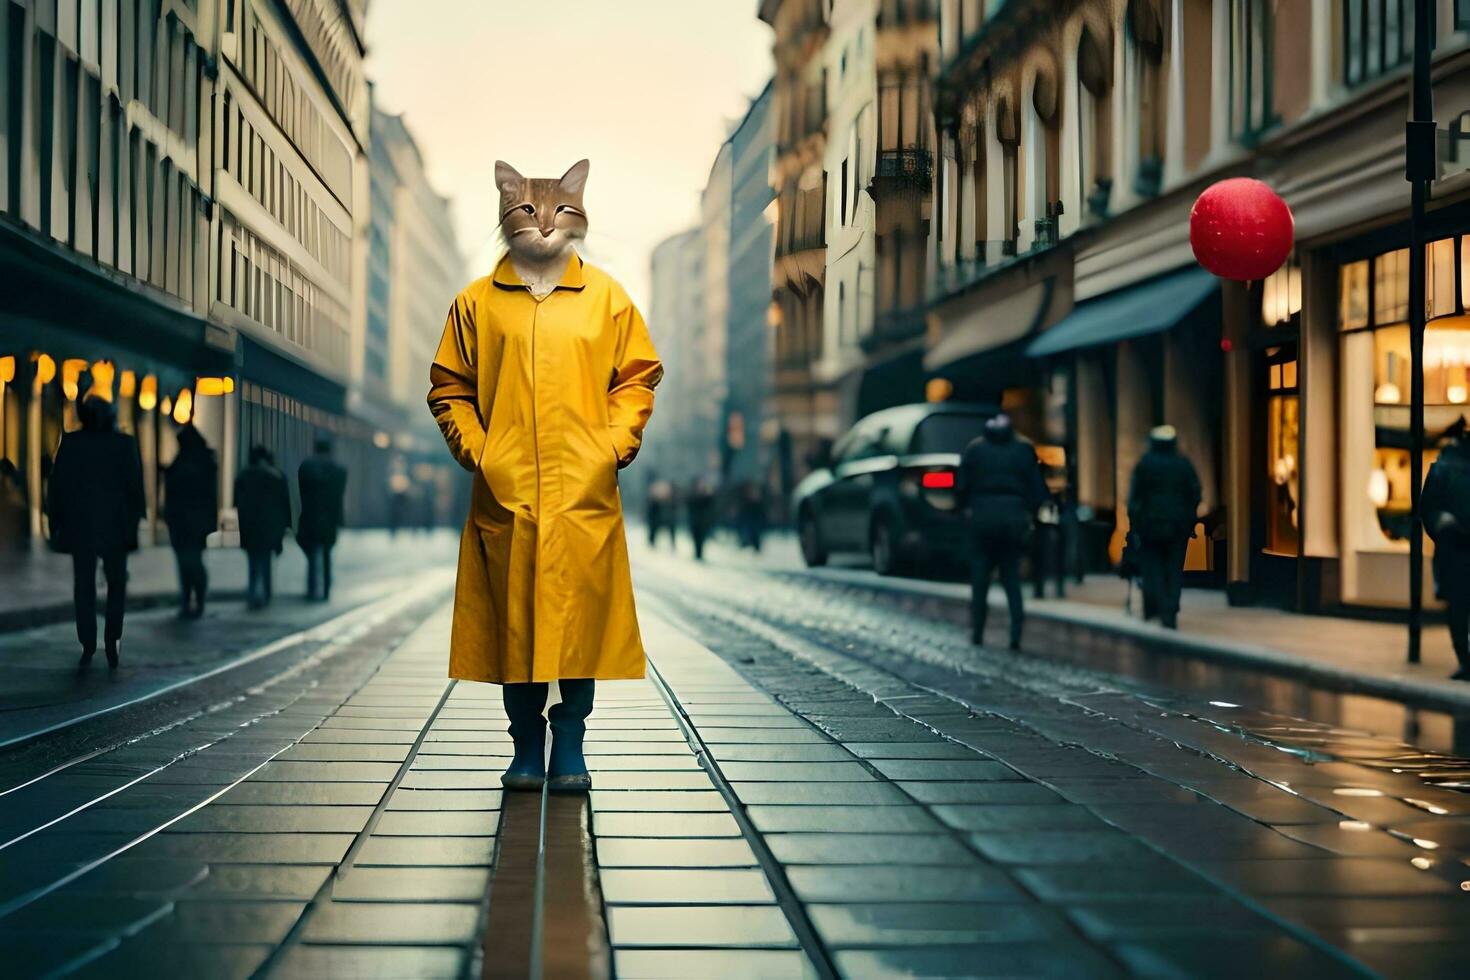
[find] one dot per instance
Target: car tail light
(937, 480)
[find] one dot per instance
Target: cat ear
(576, 178)
(506, 176)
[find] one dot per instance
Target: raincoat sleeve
(453, 394)
(635, 375)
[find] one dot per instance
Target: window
(1462, 15)
(842, 205)
(1373, 310)
(1146, 32)
(1377, 36)
(1251, 33)
(1094, 116)
(1283, 449)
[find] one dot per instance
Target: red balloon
(1241, 229)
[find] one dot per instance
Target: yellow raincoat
(544, 401)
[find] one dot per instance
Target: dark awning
(1153, 307)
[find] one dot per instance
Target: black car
(888, 488)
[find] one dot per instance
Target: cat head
(541, 217)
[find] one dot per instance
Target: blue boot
(568, 772)
(523, 706)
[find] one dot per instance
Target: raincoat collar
(505, 274)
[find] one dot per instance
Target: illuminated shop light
(1455, 394)
(45, 369)
(938, 390)
(167, 407)
(1388, 394)
(1378, 488)
(382, 439)
(71, 374)
(148, 394)
(7, 369)
(1422, 863)
(213, 387)
(127, 385)
(102, 375)
(184, 407)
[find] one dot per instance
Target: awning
(1138, 311)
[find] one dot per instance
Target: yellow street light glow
(167, 407)
(102, 375)
(938, 390)
(148, 394)
(382, 439)
(127, 384)
(45, 369)
(184, 407)
(209, 387)
(7, 369)
(71, 373)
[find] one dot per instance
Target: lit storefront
(1373, 326)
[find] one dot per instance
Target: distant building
(748, 446)
(676, 316)
(708, 372)
(414, 271)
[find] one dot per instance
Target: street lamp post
(1419, 169)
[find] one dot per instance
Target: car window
(947, 433)
(866, 442)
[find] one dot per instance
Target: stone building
(1075, 136)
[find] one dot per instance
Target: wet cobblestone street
(807, 784)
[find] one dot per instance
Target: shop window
(1283, 447)
(1281, 296)
(1374, 302)
(1094, 118)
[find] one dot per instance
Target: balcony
(907, 166)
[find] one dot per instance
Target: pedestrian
(321, 482)
(1163, 507)
(95, 501)
(14, 507)
(263, 502)
(751, 514)
(544, 591)
(661, 512)
(191, 510)
(1446, 506)
(999, 484)
(701, 507)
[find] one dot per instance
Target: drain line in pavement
(786, 897)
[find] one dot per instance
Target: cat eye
(529, 209)
(568, 209)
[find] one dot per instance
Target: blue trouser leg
(523, 706)
(568, 725)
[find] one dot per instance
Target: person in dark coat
(701, 509)
(999, 485)
(322, 482)
(1446, 506)
(263, 502)
(191, 510)
(1163, 507)
(95, 502)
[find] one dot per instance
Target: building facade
(184, 203)
(807, 406)
(750, 448)
(415, 269)
(1075, 137)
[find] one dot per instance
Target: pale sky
(645, 89)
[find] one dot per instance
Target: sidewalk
(35, 586)
(1091, 625)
